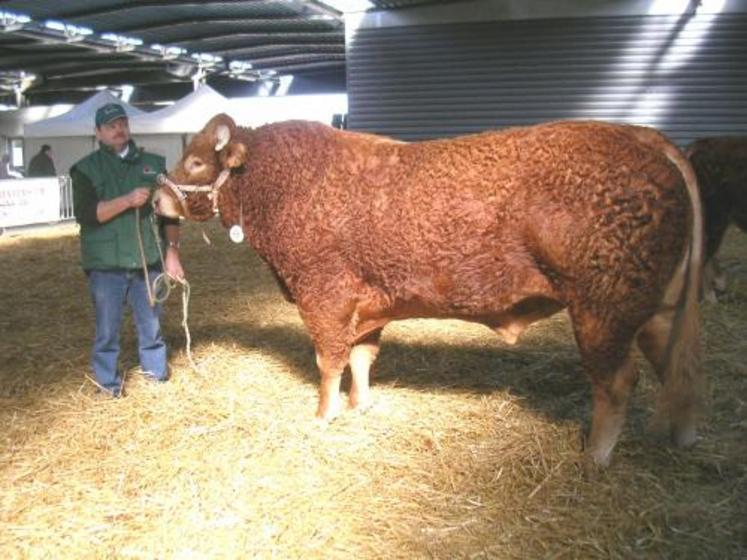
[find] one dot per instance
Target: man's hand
(108, 209)
(138, 197)
(174, 264)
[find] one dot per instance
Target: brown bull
(721, 167)
(500, 228)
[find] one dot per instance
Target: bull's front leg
(330, 370)
(329, 329)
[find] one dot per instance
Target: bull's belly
(508, 321)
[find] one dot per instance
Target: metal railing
(66, 198)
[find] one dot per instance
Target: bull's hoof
(710, 296)
(328, 411)
(684, 437)
(360, 400)
(359, 405)
(666, 431)
(589, 469)
(600, 457)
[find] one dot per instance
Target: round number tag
(236, 234)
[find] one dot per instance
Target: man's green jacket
(104, 175)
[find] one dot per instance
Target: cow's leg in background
(362, 356)
(713, 280)
(606, 355)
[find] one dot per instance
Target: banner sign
(29, 201)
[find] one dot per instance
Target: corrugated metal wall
(686, 75)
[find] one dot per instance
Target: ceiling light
(73, 33)
(205, 59)
(239, 66)
(11, 21)
(122, 42)
(168, 52)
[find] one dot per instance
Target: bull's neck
(234, 211)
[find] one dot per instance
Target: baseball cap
(107, 113)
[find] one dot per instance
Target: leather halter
(180, 191)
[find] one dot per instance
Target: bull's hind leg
(681, 395)
(606, 355)
(362, 356)
(611, 394)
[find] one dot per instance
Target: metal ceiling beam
(91, 82)
(293, 68)
(247, 53)
(102, 70)
(128, 5)
(209, 42)
(280, 62)
(300, 24)
(35, 60)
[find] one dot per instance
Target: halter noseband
(180, 191)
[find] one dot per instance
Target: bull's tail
(675, 330)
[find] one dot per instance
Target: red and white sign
(29, 201)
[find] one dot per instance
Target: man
(42, 164)
(110, 189)
(6, 169)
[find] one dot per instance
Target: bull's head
(192, 188)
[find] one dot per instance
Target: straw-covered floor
(471, 450)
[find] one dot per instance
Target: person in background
(42, 164)
(6, 169)
(111, 187)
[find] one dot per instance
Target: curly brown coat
(500, 228)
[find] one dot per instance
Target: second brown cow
(720, 164)
(499, 228)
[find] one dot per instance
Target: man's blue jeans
(111, 290)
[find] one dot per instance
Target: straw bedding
(471, 450)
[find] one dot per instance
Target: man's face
(114, 134)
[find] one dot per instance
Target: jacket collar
(133, 152)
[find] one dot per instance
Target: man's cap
(109, 112)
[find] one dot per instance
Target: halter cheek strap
(180, 191)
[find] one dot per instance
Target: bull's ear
(234, 155)
(220, 129)
(222, 136)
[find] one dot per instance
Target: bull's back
(573, 197)
(555, 188)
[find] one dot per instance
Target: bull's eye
(194, 165)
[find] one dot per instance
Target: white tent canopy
(78, 121)
(166, 132)
(256, 111)
(188, 115)
(71, 134)
(12, 122)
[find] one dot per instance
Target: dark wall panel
(686, 75)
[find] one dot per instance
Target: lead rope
(165, 284)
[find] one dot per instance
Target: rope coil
(163, 284)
